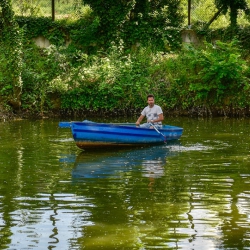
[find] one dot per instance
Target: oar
(163, 136)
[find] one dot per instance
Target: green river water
(191, 194)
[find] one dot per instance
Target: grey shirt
(152, 113)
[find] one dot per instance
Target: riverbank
(8, 115)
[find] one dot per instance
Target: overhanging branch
(216, 15)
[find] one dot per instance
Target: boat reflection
(149, 161)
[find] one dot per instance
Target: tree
(232, 6)
(112, 14)
(12, 42)
(136, 20)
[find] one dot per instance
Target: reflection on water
(146, 162)
(191, 195)
(47, 220)
(105, 163)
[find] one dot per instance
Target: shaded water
(192, 194)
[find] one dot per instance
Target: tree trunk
(233, 17)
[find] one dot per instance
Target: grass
(63, 8)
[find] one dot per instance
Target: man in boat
(153, 113)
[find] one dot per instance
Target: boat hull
(92, 135)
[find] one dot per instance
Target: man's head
(151, 100)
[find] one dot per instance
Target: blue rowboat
(89, 134)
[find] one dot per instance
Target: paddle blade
(64, 124)
(163, 136)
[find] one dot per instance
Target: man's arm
(160, 118)
(139, 120)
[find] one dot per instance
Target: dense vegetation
(113, 61)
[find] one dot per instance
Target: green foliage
(138, 22)
(38, 74)
(11, 42)
(84, 34)
(135, 23)
(81, 33)
(207, 76)
(213, 76)
(55, 32)
(104, 82)
(107, 68)
(233, 6)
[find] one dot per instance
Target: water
(192, 194)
